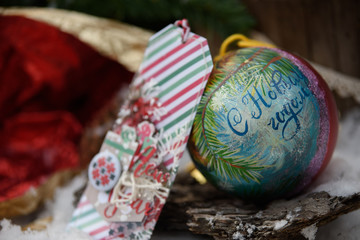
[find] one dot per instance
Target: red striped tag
(177, 63)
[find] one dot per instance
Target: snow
(280, 224)
(341, 178)
(346, 227)
(247, 229)
(61, 209)
(250, 229)
(259, 214)
(290, 216)
(210, 221)
(310, 232)
(342, 175)
(297, 209)
(238, 236)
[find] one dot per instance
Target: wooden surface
(324, 31)
(204, 210)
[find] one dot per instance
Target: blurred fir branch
(208, 16)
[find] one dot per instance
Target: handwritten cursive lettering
(236, 119)
(287, 119)
(256, 99)
(151, 170)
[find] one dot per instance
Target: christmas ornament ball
(266, 125)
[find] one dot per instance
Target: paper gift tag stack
(130, 178)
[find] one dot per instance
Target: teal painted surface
(256, 129)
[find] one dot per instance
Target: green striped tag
(179, 69)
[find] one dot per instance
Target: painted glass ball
(266, 125)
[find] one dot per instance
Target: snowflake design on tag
(141, 106)
(104, 171)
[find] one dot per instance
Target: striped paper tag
(177, 70)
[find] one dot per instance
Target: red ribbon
(186, 29)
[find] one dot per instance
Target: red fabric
(51, 85)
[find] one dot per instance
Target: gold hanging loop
(243, 42)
